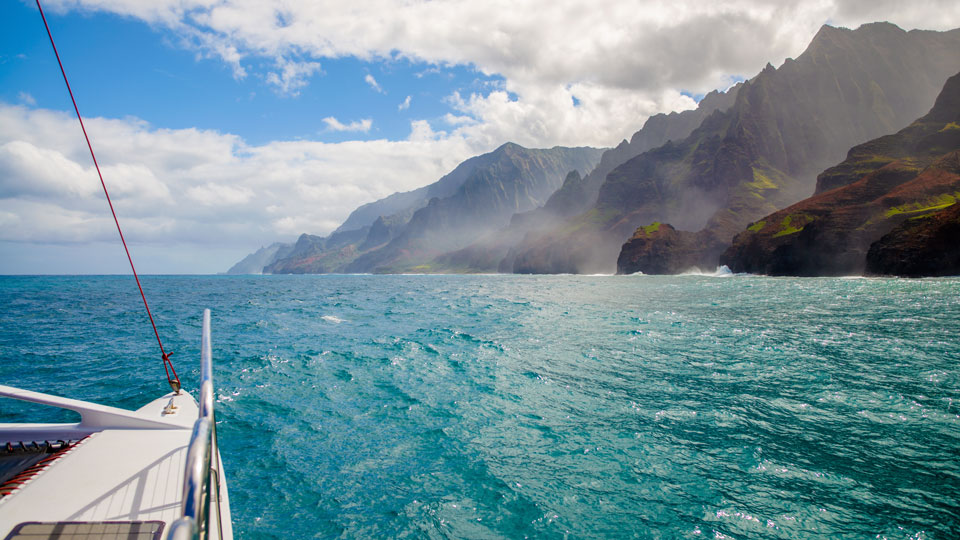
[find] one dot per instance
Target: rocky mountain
(401, 206)
(254, 263)
(924, 246)
(578, 193)
(478, 197)
(890, 202)
(656, 131)
(787, 124)
(659, 248)
(319, 254)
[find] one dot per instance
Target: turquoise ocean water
(536, 406)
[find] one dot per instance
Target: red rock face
(829, 234)
(661, 249)
(893, 182)
(928, 246)
(764, 153)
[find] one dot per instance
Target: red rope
(167, 365)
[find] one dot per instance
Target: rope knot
(175, 380)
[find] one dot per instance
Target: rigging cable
(167, 364)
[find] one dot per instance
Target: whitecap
(721, 271)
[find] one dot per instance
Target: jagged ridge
(490, 188)
(787, 125)
(882, 185)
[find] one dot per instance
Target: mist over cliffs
(376, 223)
(888, 208)
(673, 196)
(762, 154)
(256, 261)
(476, 198)
(496, 253)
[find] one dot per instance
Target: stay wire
(167, 364)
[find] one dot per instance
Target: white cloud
(26, 98)
(359, 125)
(373, 84)
(421, 131)
(458, 120)
(405, 105)
(211, 194)
(39, 222)
(292, 76)
(626, 60)
(30, 171)
(203, 191)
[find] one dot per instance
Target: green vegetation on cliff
(910, 176)
(921, 246)
(764, 153)
(793, 223)
(924, 207)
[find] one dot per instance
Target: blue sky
(223, 126)
(121, 66)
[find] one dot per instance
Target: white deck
(127, 474)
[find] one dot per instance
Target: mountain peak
(507, 146)
(880, 27)
(826, 32)
(833, 36)
(947, 106)
(828, 37)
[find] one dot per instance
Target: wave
(332, 319)
(721, 271)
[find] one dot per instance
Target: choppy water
(540, 407)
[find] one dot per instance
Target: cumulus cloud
(211, 194)
(291, 75)
(405, 105)
(373, 84)
(359, 125)
(458, 120)
(421, 131)
(27, 221)
(26, 98)
(199, 189)
(30, 171)
(607, 50)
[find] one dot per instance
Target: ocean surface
(535, 406)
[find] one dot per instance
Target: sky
(225, 125)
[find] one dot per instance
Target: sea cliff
(890, 196)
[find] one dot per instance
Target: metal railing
(201, 485)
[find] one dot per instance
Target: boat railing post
(195, 501)
(183, 529)
(202, 476)
(207, 411)
(206, 369)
